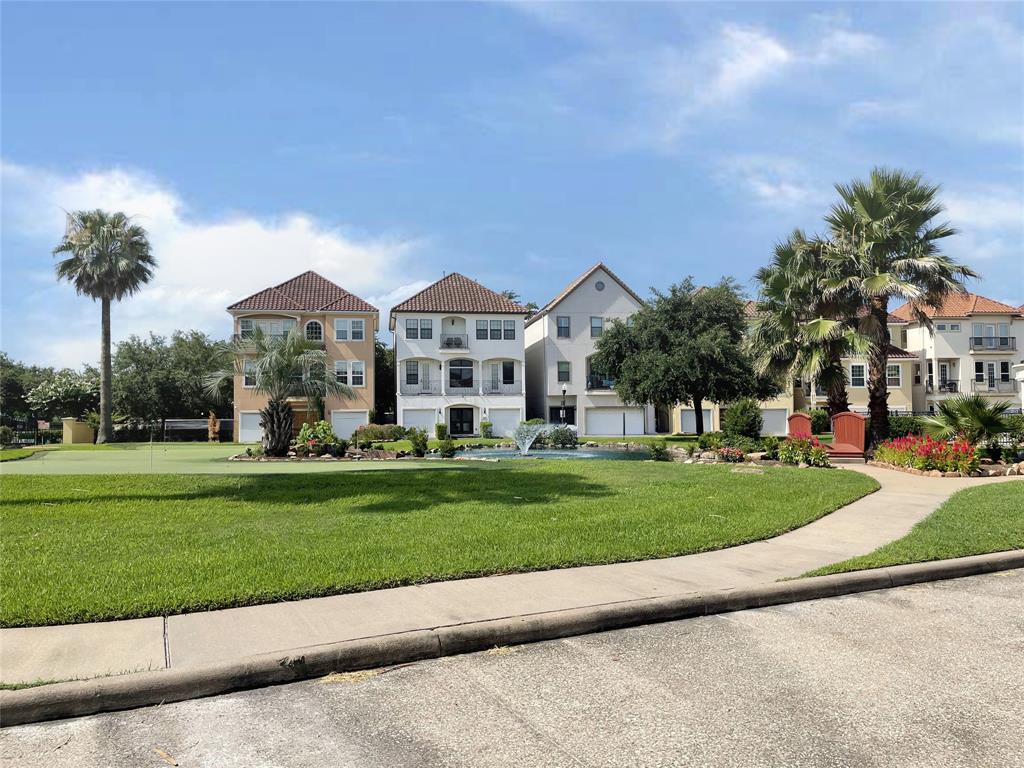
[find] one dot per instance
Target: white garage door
(249, 429)
(774, 421)
(420, 418)
(504, 420)
(615, 421)
(344, 423)
(689, 421)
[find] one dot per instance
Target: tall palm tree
(106, 257)
(798, 330)
(284, 367)
(884, 244)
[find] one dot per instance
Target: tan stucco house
(325, 313)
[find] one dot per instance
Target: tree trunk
(878, 359)
(106, 430)
(838, 400)
(277, 421)
(698, 416)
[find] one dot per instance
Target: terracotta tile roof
(959, 305)
(750, 308)
(457, 293)
(576, 284)
(308, 292)
(895, 353)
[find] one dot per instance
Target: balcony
(993, 343)
(993, 387)
(946, 387)
(420, 388)
(501, 388)
(454, 341)
(247, 340)
(597, 381)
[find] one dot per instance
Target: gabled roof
(895, 353)
(457, 293)
(308, 292)
(576, 284)
(959, 305)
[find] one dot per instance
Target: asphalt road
(929, 675)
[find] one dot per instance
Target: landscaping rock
(996, 471)
(951, 474)
(935, 473)
(755, 456)
(709, 455)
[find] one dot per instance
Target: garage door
(774, 421)
(504, 420)
(614, 421)
(420, 418)
(688, 421)
(344, 423)
(249, 429)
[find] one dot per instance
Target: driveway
(928, 675)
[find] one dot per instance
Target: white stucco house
(561, 383)
(459, 358)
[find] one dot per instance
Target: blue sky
(516, 143)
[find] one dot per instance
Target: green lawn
(989, 518)
(84, 548)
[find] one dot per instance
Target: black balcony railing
(994, 343)
(946, 387)
(599, 381)
(454, 341)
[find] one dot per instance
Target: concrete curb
(74, 699)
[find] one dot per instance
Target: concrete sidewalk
(91, 650)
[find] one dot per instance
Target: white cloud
(990, 222)
(779, 183)
(204, 265)
(744, 58)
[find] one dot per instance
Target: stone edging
(985, 470)
(86, 697)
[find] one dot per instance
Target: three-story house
(459, 358)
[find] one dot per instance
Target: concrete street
(928, 675)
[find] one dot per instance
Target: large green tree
(16, 381)
(65, 393)
(884, 244)
(106, 257)
(685, 346)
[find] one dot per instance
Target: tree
(968, 417)
(883, 243)
(16, 381)
(683, 347)
(66, 393)
(108, 258)
(282, 367)
(384, 381)
(798, 330)
(531, 307)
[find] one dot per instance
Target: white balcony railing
(421, 388)
(501, 388)
(993, 386)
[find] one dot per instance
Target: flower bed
(926, 455)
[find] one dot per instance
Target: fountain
(525, 434)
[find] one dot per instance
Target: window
(460, 374)
(1004, 371)
(412, 372)
(599, 285)
(509, 330)
(426, 329)
(979, 371)
(341, 371)
(341, 329)
(563, 326)
(245, 328)
(481, 329)
(314, 331)
(358, 330)
(940, 327)
(357, 373)
(508, 372)
(564, 370)
(893, 377)
(954, 326)
(856, 375)
(917, 373)
(249, 373)
(495, 330)
(596, 327)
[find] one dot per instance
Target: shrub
(341, 447)
(745, 444)
(1010, 453)
(441, 431)
(691, 448)
(418, 438)
(901, 426)
(927, 453)
(968, 417)
(710, 441)
(820, 421)
(1015, 426)
(561, 436)
(486, 429)
(380, 432)
(818, 457)
(6, 435)
(801, 449)
(770, 443)
(659, 450)
(729, 453)
(446, 448)
(315, 439)
(743, 418)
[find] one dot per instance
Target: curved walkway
(90, 650)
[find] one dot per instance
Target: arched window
(314, 331)
(460, 374)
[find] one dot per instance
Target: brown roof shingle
(895, 353)
(576, 284)
(457, 293)
(959, 305)
(308, 292)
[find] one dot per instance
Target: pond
(556, 453)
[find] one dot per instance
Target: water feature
(525, 434)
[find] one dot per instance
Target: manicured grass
(989, 518)
(13, 454)
(84, 548)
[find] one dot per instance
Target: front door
(460, 421)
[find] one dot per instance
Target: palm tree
(798, 331)
(968, 417)
(884, 244)
(283, 367)
(108, 258)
